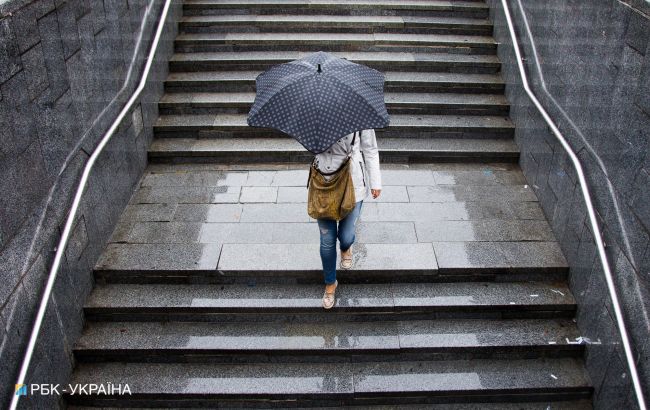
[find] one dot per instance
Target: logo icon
(21, 390)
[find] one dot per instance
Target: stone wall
(592, 74)
(66, 70)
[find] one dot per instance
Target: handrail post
(65, 236)
(590, 211)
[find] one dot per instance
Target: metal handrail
(590, 211)
(65, 236)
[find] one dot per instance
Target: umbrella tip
(319, 69)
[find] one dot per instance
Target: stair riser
(249, 86)
(417, 66)
(319, 315)
(316, 277)
(257, 158)
(334, 355)
(196, 10)
(395, 132)
(333, 399)
(215, 46)
(413, 108)
(325, 27)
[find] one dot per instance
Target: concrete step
(401, 126)
(396, 103)
(357, 7)
(284, 150)
(244, 81)
(436, 43)
(280, 302)
(356, 341)
(402, 61)
(584, 404)
(300, 262)
(341, 384)
(335, 23)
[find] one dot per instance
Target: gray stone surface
(259, 379)
(479, 63)
(185, 338)
(443, 296)
(503, 256)
(286, 380)
(258, 194)
(395, 80)
(483, 230)
(598, 95)
(208, 212)
(471, 374)
(62, 65)
(277, 149)
(305, 257)
(164, 256)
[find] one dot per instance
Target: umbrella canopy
(319, 99)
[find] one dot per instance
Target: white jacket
(364, 178)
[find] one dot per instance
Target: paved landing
(253, 218)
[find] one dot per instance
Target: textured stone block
(68, 27)
(641, 198)
(613, 392)
(57, 131)
(258, 194)
(22, 201)
(160, 257)
(98, 15)
(24, 22)
(48, 28)
(78, 241)
(638, 32)
(9, 54)
(34, 64)
(280, 257)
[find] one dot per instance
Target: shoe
(328, 298)
(346, 262)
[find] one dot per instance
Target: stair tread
(409, 4)
(307, 297)
(583, 404)
(451, 145)
(238, 121)
(352, 379)
(321, 38)
(198, 98)
(361, 57)
(354, 21)
(301, 260)
(390, 77)
(350, 335)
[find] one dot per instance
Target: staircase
(208, 293)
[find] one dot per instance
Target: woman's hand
(375, 193)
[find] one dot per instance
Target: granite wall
(589, 64)
(66, 70)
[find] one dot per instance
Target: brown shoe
(346, 261)
(328, 297)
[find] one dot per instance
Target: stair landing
(431, 220)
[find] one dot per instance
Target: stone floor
(430, 217)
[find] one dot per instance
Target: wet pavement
(430, 218)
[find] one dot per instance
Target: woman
(366, 180)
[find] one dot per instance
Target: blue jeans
(328, 235)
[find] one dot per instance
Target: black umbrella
(319, 99)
